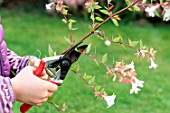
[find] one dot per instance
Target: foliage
(125, 72)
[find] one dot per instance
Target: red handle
(25, 107)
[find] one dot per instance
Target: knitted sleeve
(17, 62)
(7, 97)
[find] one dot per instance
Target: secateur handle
(25, 107)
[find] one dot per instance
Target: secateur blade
(68, 59)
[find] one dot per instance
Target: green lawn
(27, 32)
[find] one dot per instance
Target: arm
(7, 97)
(17, 62)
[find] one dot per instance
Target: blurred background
(29, 28)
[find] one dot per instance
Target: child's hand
(30, 89)
(35, 62)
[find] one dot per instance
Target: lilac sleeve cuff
(7, 96)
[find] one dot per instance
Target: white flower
(135, 84)
(110, 100)
(114, 78)
(151, 10)
(153, 65)
(167, 15)
(134, 89)
(107, 42)
(138, 82)
(143, 52)
(48, 6)
(131, 66)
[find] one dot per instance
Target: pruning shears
(60, 64)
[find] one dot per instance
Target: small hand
(30, 89)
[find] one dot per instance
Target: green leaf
(67, 40)
(115, 22)
(70, 26)
(73, 67)
(104, 58)
(78, 68)
(117, 39)
(87, 77)
(92, 17)
(141, 44)
(113, 61)
(134, 43)
(71, 21)
(64, 20)
(96, 63)
(92, 80)
(65, 12)
(97, 7)
(99, 19)
(91, 28)
(97, 88)
(104, 12)
(136, 8)
(88, 48)
(50, 51)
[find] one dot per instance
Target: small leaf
(134, 43)
(67, 40)
(65, 12)
(115, 22)
(99, 19)
(78, 68)
(136, 8)
(70, 26)
(92, 80)
(97, 88)
(91, 28)
(50, 51)
(104, 58)
(113, 61)
(73, 67)
(96, 63)
(97, 7)
(73, 29)
(88, 48)
(92, 17)
(87, 77)
(117, 39)
(141, 44)
(104, 12)
(71, 21)
(64, 20)
(117, 17)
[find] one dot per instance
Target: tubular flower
(167, 15)
(153, 65)
(136, 83)
(150, 10)
(110, 100)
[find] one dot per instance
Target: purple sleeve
(17, 62)
(7, 97)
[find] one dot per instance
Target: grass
(27, 32)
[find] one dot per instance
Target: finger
(38, 104)
(43, 77)
(44, 100)
(52, 87)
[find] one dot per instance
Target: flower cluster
(150, 54)
(153, 9)
(127, 75)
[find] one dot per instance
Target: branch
(92, 32)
